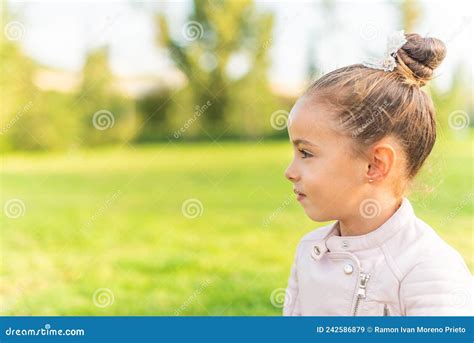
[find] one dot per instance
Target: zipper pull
(364, 278)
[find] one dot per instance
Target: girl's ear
(382, 158)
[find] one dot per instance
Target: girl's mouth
(299, 196)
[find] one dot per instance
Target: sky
(59, 34)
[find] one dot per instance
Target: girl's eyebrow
(303, 141)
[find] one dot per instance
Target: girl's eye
(305, 154)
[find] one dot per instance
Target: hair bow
(387, 63)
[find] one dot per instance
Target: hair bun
(419, 56)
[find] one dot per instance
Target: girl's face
(328, 180)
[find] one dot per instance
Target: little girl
(360, 134)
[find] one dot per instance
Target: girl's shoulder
(419, 246)
(434, 277)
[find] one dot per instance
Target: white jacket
(403, 268)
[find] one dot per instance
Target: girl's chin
(315, 215)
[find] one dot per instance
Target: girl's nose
(291, 174)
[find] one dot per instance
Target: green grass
(112, 218)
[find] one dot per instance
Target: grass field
(102, 232)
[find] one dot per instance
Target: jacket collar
(333, 242)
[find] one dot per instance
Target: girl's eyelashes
(304, 154)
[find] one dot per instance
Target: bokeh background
(144, 144)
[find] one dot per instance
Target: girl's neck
(361, 225)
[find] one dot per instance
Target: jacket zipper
(364, 278)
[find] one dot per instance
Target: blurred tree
(220, 38)
(153, 109)
(106, 115)
(49, 122)
(30, 117)
(17, 91)
(458, 97)
(410, 11)
(328, 23)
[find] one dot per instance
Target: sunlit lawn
(112, 218)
